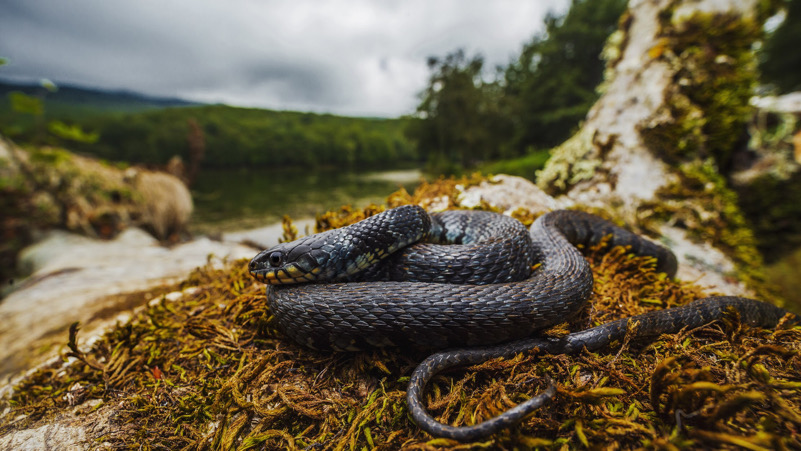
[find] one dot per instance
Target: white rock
(508, 192)
(74, 277)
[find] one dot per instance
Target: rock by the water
(73, 277)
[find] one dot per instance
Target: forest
(502, 119)
(244, 137)
(231, 136)
(516, 115)
(468, 116)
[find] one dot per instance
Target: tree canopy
(466, 116)
(553, 83)
(245, 137)
(460, 114)
(232, 137)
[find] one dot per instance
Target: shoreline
(75, 278)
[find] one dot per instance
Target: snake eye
(276, 258)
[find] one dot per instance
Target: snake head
(288, 263)
(339, 254)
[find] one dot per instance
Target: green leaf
(25, 104)
(72, 132)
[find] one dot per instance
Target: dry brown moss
(210, 371)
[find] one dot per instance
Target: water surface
(228, 200)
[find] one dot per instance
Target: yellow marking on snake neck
(290, 274)
(294, 272)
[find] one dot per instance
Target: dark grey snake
(388, 285)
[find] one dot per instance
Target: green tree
(553, 83)
(534, 103)
(459, 116)
(33, 105)
(781, 60)
(25, 104)
(71, 132)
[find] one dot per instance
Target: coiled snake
(391, 282)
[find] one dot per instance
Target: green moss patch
(570, 163)
(715, 75)
(707, 109)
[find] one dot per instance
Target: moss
(210, 371)
(614, 47)
(344, 216)
(701, 125)
(715, 76)
(705, 109)
(676, 130)
(51, 188)
(774, 216)
(74, 186)
(701, 202)
(50, 156)
(570, 163)
(440, 195)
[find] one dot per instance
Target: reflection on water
(239, 199)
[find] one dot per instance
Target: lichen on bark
(570, 163)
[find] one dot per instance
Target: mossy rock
(715, 72)
(44, 188)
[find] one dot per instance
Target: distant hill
(74, 101)
(142, 129)
(250, 137)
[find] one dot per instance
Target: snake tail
(637, 328)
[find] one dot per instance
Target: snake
(470, 284)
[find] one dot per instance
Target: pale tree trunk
(652, 148)
(609, 160)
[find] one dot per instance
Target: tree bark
(657, 146)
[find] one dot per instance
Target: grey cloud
(343, 56)
(294, 81)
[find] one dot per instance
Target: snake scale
(462, 280)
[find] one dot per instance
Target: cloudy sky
(352, 57)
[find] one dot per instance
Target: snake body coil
(477, 293)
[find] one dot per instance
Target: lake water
(227, 200)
